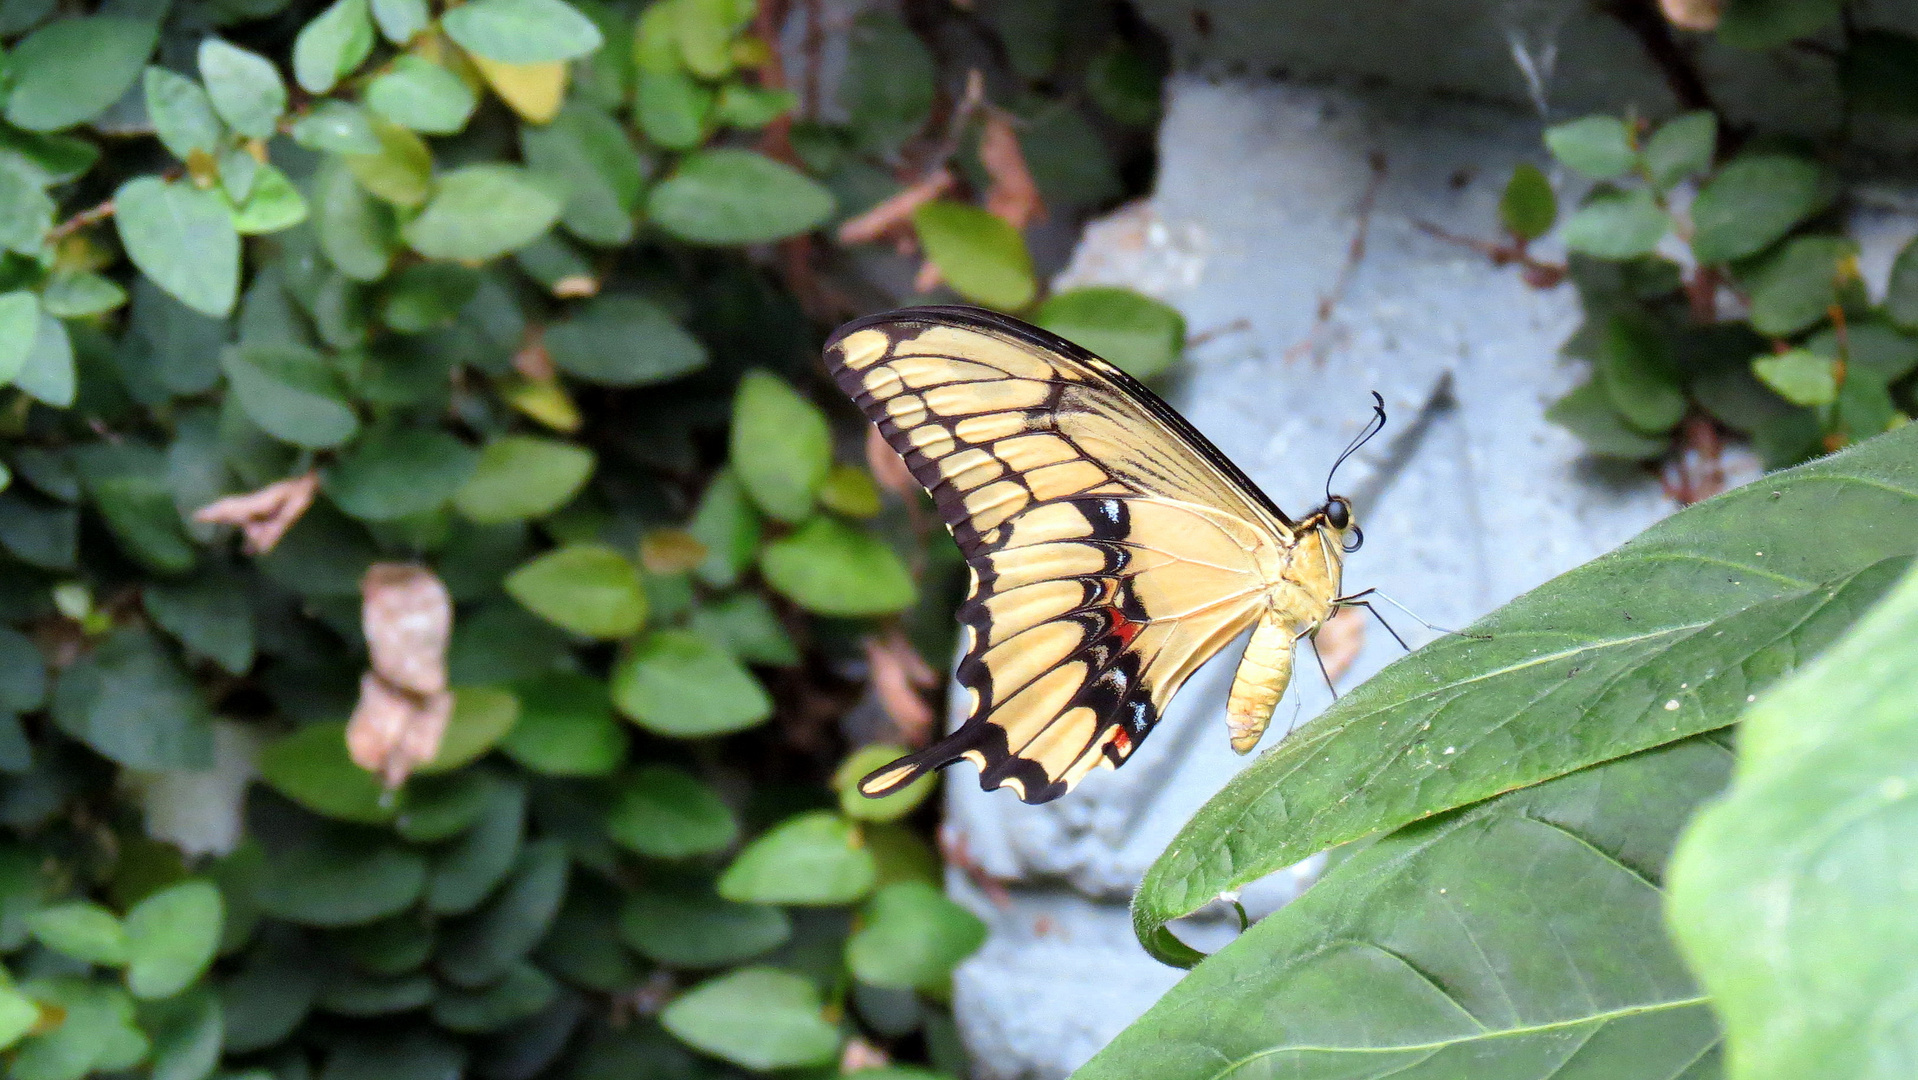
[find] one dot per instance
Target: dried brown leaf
(263, 516)
(887, 466)
(894, 215)
(407, 616)
(898, 675)
(928, 278)
(532, 360)
(1340, 640)
(1693, 14)
(671, 551)
(1013, 197)
(860, 1054)
(393, 730)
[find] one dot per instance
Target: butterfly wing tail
(896, 775)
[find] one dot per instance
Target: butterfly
(1113, 549)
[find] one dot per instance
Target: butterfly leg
(1320, 657)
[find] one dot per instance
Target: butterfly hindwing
(1112, 549)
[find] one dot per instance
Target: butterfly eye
(1338, 514)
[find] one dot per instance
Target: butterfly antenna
(1372, 427)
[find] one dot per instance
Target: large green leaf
(481, 212)
(733, 196)
(1793, 896)
(1668, 636)
(1518, 939)
(781, 447)
(623, 340)
(757, 1017)
(71, 70)
(183, 238)
(133, 702)
(522, 31)
(677, 683)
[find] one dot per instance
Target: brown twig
(81, 220)
(1537, 274)
(1354, 254)
(1697, 470)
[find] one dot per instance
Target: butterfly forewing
(1113, 550)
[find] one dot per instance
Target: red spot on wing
(1122, 628)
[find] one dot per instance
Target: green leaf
(355, 230)
(23, 680)
(890, 84)
(401, 171)
(704, 31)
(589, 589)
(1787, 896)
(187, 1032)
(912, 937)
(668, 813)
(750, 108)
(817, 858)
(781, 449)
(1797, 286)
(486, 945)
(1139, 335)
(850, 491)
(467, 871)
(1600, 147)
(1124, 84)
(83, 930)
(522, 31)
(1768, 24)
(442, 807)
(566, 727)
(336, 127)
(96, 1033)
(677, 683)
(183, 238)
(311, 767)
(273, 204)
(832, 568)
(128, 482)
(18, 1015)
(1752, 202)
(482, 715)
(49, 375)
(726, 523)
(1800, 376)
(427, 296)
(1520, 938)
(332, 46)
(419, 94)
(481, 212)
(593, 158)
(982, 257)
(19, 322)
(171, 938)
(1682, 147)
(1661, 639)
(520, 477)
(1529, 207)
(673, 109)
(411, 1052)
(26, 213)
(398, 473)
(523, 992)
(732, 196)
(624, 340)
(131, 701)
(291, 393)
(341, 879)
(1616, 225)
(182, 114)
(210, 614)
(1901, 293)
(78, 294)
(244, 86)
(693, 928)
(400, 21)
(744, 624)
(864, 761)
(71, 70)
(1634, 365)
(757, 1017)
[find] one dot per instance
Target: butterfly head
(1336, 517)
